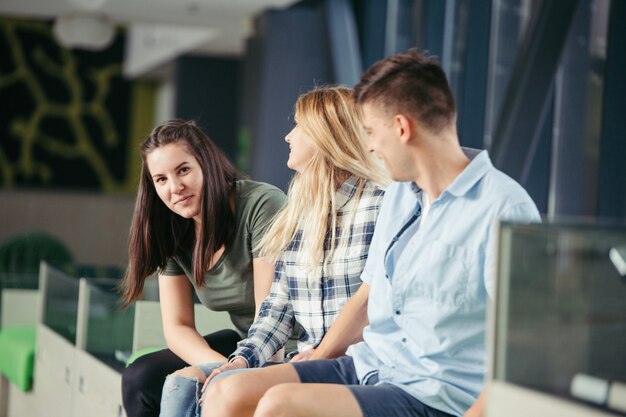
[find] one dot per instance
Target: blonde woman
(319, 241)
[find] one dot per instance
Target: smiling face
(301, 149)
(177, 178)
(384, 139)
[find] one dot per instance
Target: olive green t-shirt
(229, 285)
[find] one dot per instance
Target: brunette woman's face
(301, 149)
(177, 179)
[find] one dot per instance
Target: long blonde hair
(330, 118)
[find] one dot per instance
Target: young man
(415, 330)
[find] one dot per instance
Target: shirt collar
(416, 189)
(346, 191)
(477, 168)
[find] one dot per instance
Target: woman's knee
(275, 402)
(186, 379)
(219, 390)
(190, 372)
(224, 395)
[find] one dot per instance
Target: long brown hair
(157, 233)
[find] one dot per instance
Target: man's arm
(478, 408)
(347, 328)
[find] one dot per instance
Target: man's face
(384, 140)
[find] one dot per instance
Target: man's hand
(304, 356)
(477, 409)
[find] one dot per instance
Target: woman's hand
(237, 363)
(304, 356)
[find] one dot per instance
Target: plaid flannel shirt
(315, 298)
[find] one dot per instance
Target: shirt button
(397, 312)
(404, 340)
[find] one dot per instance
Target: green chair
(20, 256)
(17, 355)
(20, 312)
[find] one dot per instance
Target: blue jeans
(181, 395)
(142, 380)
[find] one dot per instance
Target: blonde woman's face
(300, 147)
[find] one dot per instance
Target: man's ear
(404, 127)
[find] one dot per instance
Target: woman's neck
(231, 203)
(340, 177)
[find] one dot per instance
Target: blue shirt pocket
(440, 274)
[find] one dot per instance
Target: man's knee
(276, 402)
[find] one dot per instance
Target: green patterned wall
(68, 119)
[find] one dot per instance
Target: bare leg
(238, 395)
(308, 400)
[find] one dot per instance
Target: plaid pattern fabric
(314, 297)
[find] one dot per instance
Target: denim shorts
(376, 399)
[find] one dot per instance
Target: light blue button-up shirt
(429, 285)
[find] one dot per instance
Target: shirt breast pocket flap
(441, 273)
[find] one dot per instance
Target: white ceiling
(228, 20)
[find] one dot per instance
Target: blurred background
(539, 83)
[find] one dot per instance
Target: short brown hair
(413, 83)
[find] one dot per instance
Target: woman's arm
(263, 275)
(272, 328)
(269, 331)
(179, 328)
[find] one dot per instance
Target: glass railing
(108, 330)
(60, 302)
(561, 311)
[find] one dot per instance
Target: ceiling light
(89, 32)
(87, 4)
